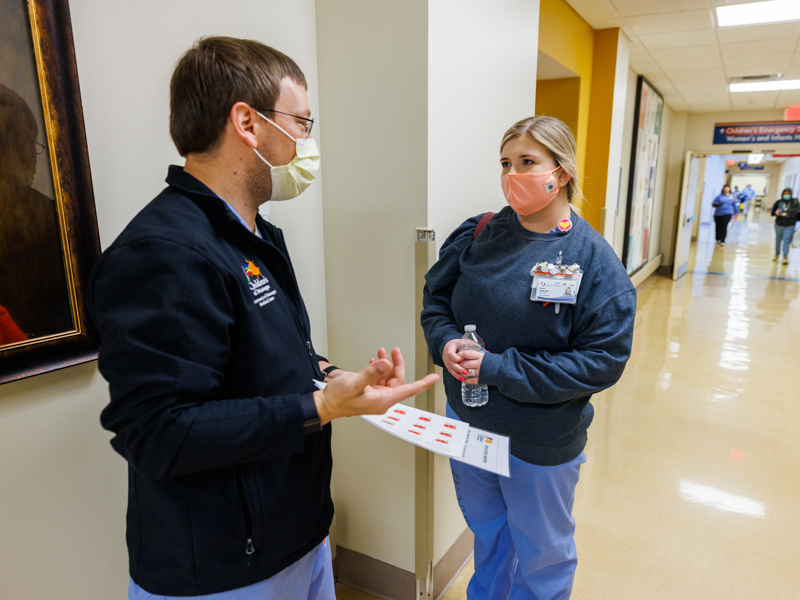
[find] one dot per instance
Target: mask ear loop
(276, 125)
(281, 129)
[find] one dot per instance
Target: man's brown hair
(215, 74)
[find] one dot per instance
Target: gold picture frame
(48, 224)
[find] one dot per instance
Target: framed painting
(48, 225)
(642, 177)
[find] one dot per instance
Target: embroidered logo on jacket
(262, 291)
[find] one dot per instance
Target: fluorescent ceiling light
(766, 86)
(754, 159)
(704, 494)
(756, 13)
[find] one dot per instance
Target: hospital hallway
(693, 475)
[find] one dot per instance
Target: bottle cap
(469, 327)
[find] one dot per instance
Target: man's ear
(245, 123)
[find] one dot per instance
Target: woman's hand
(465, 367)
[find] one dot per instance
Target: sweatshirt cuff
(491, 365)
(308, 407)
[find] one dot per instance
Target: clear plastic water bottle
(472, 394)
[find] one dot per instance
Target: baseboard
(381, 579)
(374, 576)
(648, 269)
(447, 569)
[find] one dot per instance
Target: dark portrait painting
(48, 229)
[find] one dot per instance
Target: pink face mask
(528, 193)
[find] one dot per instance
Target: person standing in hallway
(786, 212)
(725, 207)
(748, 193)
(206, 345)
(543, 361)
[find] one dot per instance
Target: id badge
(556, 287)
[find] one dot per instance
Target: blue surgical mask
(787, 197)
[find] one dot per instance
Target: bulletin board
(642, 183)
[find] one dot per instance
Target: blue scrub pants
(523, 526)
(310, 578)
(783, 233)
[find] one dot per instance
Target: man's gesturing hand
(353, 394)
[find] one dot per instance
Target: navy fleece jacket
(542, 368)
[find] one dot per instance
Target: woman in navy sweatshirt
(725, 207)
(544, 360)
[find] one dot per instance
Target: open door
(686, 215)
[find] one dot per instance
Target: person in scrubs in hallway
(786, 212)
(725, 207)
(543, 361)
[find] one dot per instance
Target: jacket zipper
(248, 517)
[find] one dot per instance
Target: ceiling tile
(632, 8)
(735, 71)
(788, 98)
(684, 54)
(756, 33)
(645, 67)
(594, 10)
(637, 56)
(690, 20)
(712, 107)
(763, 48)
(701, 76)
(706, 98)
(666, 88)
(677, 103)
(703, 88)
(781, 60)
(703, 64)
(678, 39)
(754, 101)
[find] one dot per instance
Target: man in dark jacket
(207, 348)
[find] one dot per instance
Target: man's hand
(352, 394)
(397, 375)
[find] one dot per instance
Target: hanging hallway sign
(753, 133)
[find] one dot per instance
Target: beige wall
(481, 80)
(63, 488)
(373, 89)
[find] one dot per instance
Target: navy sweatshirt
(542, 368)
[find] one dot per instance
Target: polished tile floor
(692, 485)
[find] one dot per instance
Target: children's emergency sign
(786, 132)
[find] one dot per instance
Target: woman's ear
(563, 177)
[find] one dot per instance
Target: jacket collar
(210, 202)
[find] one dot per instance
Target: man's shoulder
(171, 215)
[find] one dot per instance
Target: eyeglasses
(305, 123)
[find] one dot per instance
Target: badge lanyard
(556, 283)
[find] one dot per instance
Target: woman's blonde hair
(557, 139)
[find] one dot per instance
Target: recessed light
(756, 13)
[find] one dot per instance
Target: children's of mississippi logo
(262, 291)
(251, 271)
